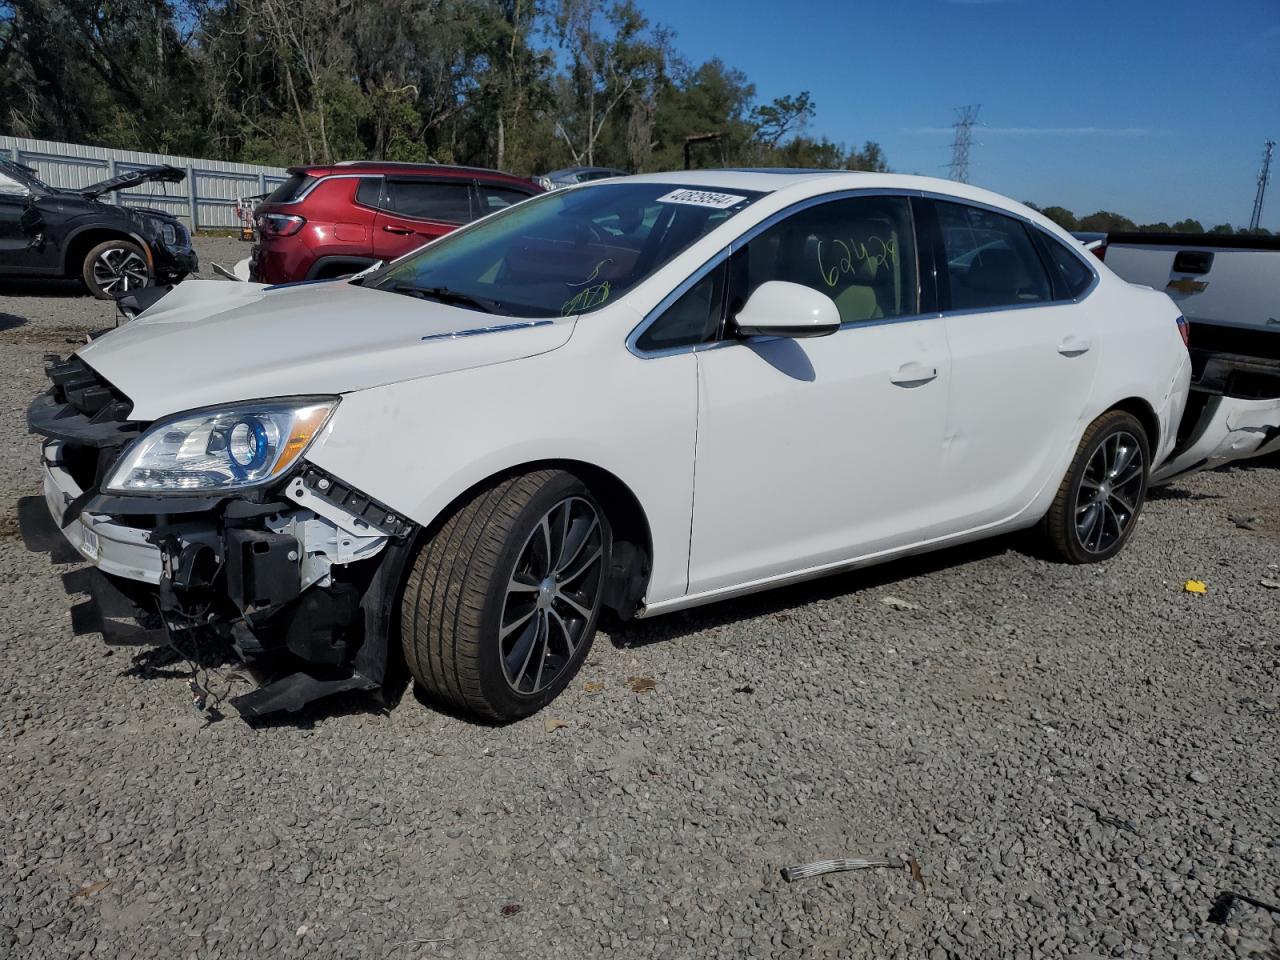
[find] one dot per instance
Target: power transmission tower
(1264, 175)
(966, 117)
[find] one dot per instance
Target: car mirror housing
(779, 308)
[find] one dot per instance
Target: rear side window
(991, 261)
(427, 200)
(290, 189)
(369, 192)
(1073, 277)
(498, 198)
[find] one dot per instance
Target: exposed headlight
(224, 448)
(169, 235)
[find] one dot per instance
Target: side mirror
(780, 308)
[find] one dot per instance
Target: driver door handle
(914, 374)
(1074, 347)
(402, 231)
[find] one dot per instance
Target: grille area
(89, 416)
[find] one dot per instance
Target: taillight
(1184, 329)
(280, 224)
(1100, 251)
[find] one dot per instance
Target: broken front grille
(86, 413)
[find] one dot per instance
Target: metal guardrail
(206, 199)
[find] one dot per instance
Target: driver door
(813, 452)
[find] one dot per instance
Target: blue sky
(1156, 109)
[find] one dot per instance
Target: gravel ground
(1080, 758)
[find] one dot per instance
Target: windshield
(564, 253)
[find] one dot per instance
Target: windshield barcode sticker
(702, 198)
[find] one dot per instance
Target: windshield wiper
(445, 295)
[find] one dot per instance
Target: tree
(1104, 221)
(1188, 226)
(1062, 217)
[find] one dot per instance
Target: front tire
(502, 602)
(115, 267)
(1101, 497)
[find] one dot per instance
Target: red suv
(328, 221)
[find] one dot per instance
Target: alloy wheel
(119, 270)
(1109, 493)
(553, 595)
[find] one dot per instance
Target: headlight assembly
(221, 449)
(169, 235)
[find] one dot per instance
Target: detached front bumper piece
(300, 578)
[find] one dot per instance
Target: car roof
(797, 184)
(391, 167)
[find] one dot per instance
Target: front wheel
(115, 267)
(1100, 498)
(501, 605)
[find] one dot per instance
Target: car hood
(132, 178)
(212, 341)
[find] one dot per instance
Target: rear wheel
(502, 602)
(115, 267)
(1101, 497)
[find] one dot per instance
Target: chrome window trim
(754, 231)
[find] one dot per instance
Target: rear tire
(501, 605)
(1101, 497)
(116, 267)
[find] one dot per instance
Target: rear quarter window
(1071, 276)
(290, 189)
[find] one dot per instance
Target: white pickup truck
(1229, 290)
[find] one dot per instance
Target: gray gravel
(1080, 759)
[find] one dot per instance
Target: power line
(966, 117)
(1264, 175)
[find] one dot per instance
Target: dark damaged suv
(49, 232)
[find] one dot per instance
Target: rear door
(417, 210)
(1023, 358)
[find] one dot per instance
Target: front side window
(564, 253)
(990, 259)
(425, 200)
(859, 251)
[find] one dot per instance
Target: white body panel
(1240, 289)
(809, 455)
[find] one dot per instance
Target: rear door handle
(403, 231)
(914, 374)
(1074, 347)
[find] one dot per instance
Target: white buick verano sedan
(643, 394)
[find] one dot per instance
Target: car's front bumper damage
(297, 578)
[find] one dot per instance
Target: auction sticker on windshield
(702, 198)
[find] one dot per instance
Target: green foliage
(524, 85)
(1104, 221)
(1062, 217)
